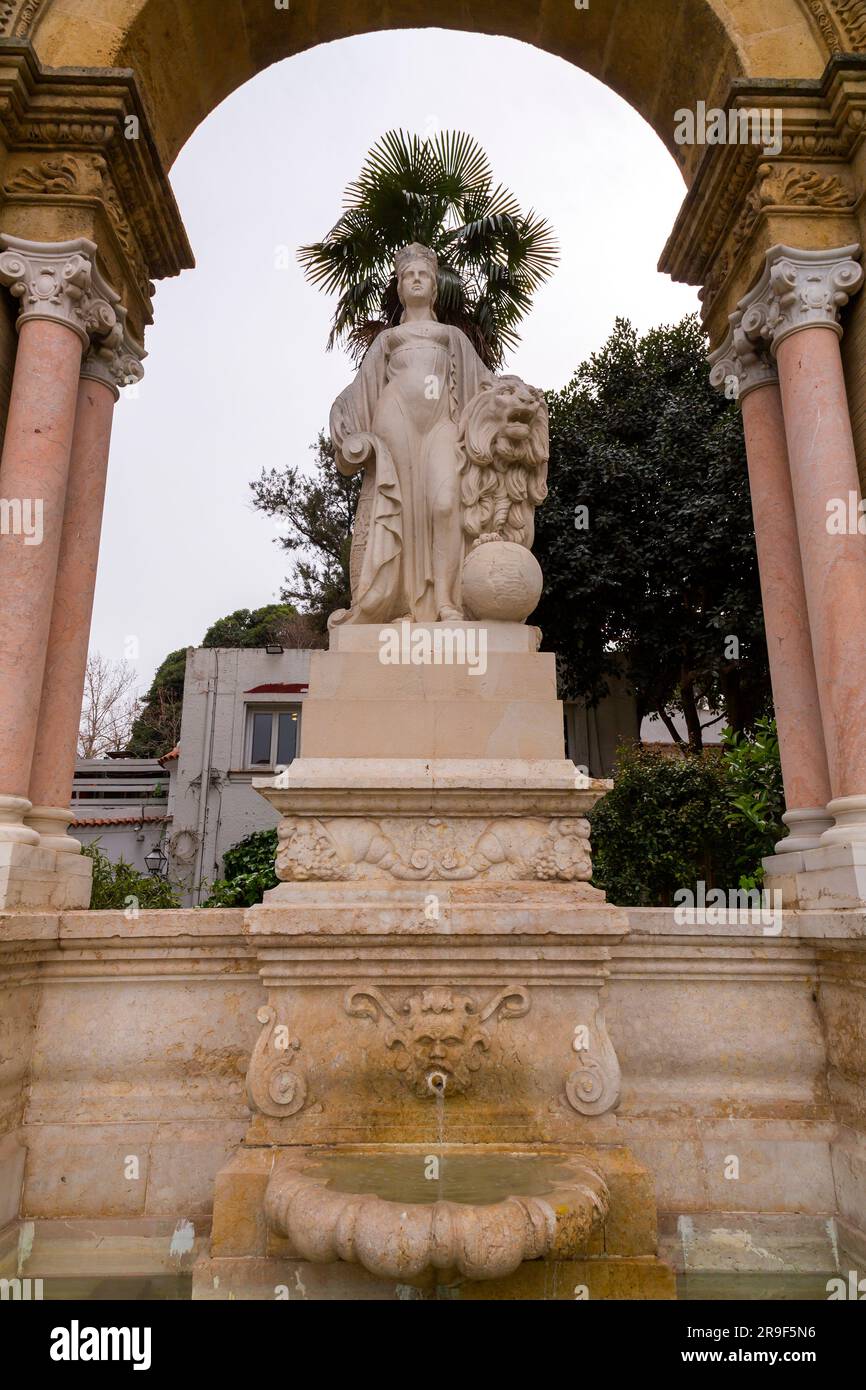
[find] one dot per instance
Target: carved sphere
(502, 582)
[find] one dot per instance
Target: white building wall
(221, 687)
(130, 841)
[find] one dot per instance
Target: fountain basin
(401, 1213)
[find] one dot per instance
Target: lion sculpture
(504, 447)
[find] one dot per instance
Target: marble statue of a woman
(400, 420)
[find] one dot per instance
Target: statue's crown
(415, 252)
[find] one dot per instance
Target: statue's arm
(352, 413)
(353, 447)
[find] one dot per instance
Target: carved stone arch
(659, 57)
(840, 23)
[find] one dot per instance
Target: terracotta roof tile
(278, 690)
(120, 820)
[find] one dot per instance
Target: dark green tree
(318, 513)
(251, 628)
(656, 578)
(440, 192)
(157, 729)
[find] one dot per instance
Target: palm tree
(440, 192)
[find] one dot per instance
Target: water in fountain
(475, 1177)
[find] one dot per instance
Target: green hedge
(248, 871)
(120, 886)
(672, 821)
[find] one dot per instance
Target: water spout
(436, 1082)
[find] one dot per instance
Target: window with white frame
(272, 735)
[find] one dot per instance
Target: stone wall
(23, 943)
(131, 1041)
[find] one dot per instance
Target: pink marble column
(107, 366)
(792, 667)
(797, 307)
(34, 469)
(749, 374)
(824, 468)
(59, 307)
(33, 472)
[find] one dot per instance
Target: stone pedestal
(436, 918)
(435, 958)
(433, 690)
(833, 876)
(46, 880)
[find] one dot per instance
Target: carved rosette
(275, 1085)
(59, 282)
(800, 289)
(593, 1088)
(439, 1037)
(418, 849)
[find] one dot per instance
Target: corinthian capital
(741, 365)
(800, 289)
(58, 281)
(115, 359)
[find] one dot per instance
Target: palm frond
(438, 191)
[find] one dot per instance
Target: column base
(34, 879)
(833, 876)
(806, 828)
(51, 824)
(13, 831)
(849, 815)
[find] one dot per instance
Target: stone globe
(502, 582)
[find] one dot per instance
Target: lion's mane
(503, 480)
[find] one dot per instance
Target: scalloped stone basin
(482, 1215)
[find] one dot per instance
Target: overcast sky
(237, 375)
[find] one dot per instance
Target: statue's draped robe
(406, 400)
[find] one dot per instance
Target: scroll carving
(593, 1087)
(275, 1085)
